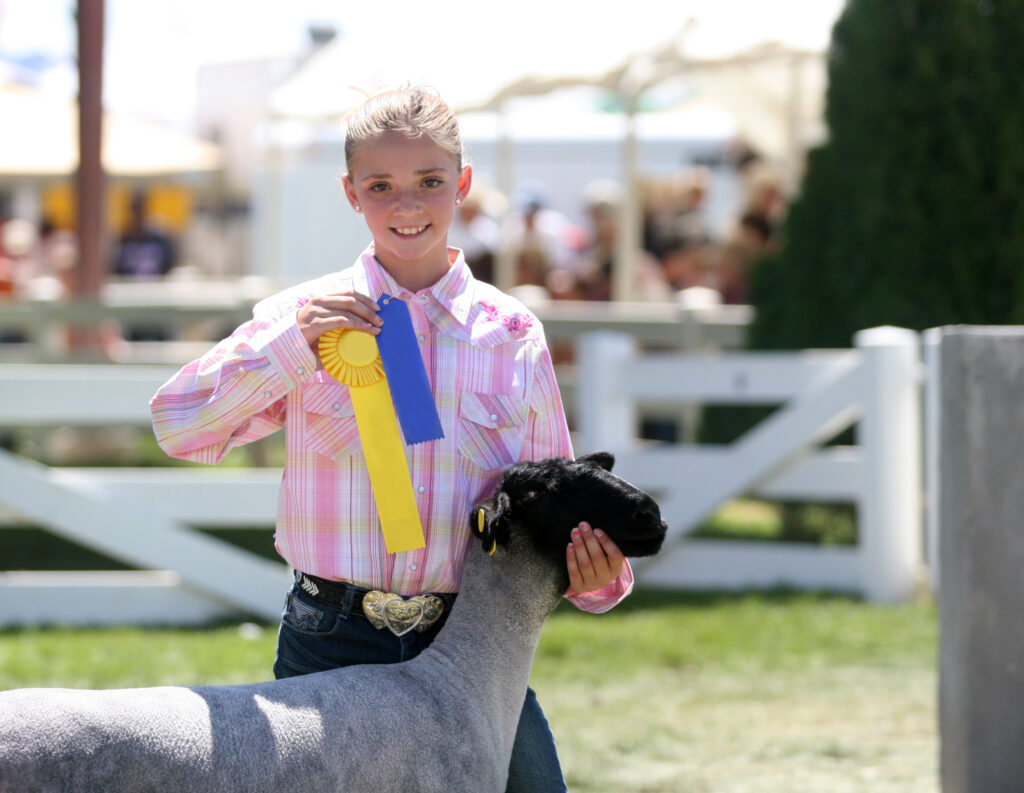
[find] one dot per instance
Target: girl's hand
(594, 561)
(337, 310)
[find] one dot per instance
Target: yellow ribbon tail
(385, 461)
(353, 358)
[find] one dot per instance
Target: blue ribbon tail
(407, 376)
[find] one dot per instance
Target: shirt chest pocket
(491, 429)
(331, 428)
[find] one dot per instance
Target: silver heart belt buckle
(401, 615)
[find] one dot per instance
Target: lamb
(442, 722)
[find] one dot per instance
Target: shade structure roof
(39, 138)
(529, 49)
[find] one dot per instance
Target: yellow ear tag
(481, 525)
(352, 358)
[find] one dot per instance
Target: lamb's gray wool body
(443, 721)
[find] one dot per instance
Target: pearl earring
(358, 208)
(458, 201)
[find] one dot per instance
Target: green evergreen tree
(912, 213)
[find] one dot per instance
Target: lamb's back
(364, 728)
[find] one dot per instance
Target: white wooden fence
(876, 385)
(144, 516)
(139, 516)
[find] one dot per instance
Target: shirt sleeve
(547, 432)
(235, 393)
(547, 435)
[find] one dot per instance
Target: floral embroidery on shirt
(511, 321)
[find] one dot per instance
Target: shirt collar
(453, 292)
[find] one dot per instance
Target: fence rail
(196, 313)
(145, 517)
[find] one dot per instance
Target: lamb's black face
(551, 497)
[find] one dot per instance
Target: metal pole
(505, 269)
(629, 238)
(90, 180)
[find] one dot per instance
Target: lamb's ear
(603, 460)
(492, 527)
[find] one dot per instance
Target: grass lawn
(668, 693)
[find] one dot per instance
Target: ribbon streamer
(407, 377)
(353, 358)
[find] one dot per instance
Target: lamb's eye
(527, 497)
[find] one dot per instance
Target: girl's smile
(407, 189)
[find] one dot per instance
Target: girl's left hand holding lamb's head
(593, 559)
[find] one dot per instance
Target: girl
(492, 380)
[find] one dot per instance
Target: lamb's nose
(648, 511)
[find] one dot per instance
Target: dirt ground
(833, 731)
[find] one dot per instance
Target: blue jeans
(313, 638)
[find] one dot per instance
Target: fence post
(890, 435)
(606, 418)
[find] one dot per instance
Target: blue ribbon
(407, 376)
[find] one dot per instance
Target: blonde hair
(412, 111)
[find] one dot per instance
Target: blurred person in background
(687, 263)
(542, 239)
(755, 234)
(143, 253)
(691, 220)
(766, 203)
(659, 200)
(478, 234)
(752, 239)
(18, 242)
(603, 200)
(676, 210)
(56, 261)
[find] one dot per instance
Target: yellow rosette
(352, 358)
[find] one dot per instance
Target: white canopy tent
(39, 139)
(475, 59)
(762, 63)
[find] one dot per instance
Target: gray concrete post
(981, 599)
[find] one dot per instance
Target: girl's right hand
(337, 310)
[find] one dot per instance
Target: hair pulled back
(411, 111)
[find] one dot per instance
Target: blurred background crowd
(554, 256)
(584, 157)
(682, 246)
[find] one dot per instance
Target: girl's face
(406, 188)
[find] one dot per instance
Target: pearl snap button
(421, 338)
(268, 394)
(336, 406)
(494, 417)
(413, 566)
(421, 489)
(301, 370)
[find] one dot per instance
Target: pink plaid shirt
(496, 394)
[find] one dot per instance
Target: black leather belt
(397, 613)
(333, 594)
